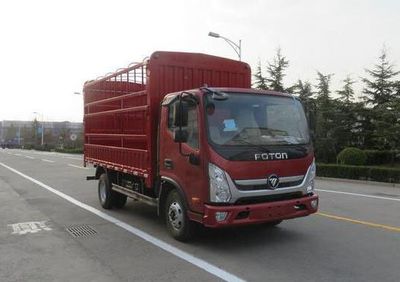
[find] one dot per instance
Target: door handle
(168, 163)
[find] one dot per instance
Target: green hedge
(381, 174)
(352, 156)
(376, 157)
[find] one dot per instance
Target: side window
(171, 126)
(192, 128)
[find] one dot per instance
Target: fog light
(220, 216)
(314, 204)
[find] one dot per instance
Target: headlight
(219, 188)
(310, 178)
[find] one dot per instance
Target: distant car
(3, 146)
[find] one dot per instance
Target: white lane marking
(29, 227)
(359, 195)
(77, 166)
(29, 157)
(54, 154)
(48, 161)
(42, 153)
(17, 155)
(210, 268)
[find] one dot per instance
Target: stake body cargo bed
(121, 110)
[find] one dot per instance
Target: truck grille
(266, 187)
(269, 198)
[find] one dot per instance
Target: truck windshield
(256, 119)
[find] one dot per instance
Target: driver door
(174, 163)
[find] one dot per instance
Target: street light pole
(236, 47)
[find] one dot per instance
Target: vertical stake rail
(143, 74)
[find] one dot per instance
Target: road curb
(373, 183)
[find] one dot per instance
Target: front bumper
(259, 213)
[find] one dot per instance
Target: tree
(381, 91)
(276, 72)
(346, 116)
(304, 92)
(260, 80)
(387, 126)
(324, 138)
(324, 104)
(323, 85)
(347, 93)
(397, 89)
(381, 87)
(363, 128)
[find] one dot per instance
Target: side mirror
(180, 114)
(180, 135)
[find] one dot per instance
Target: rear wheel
(178, 223)
(118, 200)
(105, 192)
(109, 198)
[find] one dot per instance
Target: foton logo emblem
(270, 156)
(273, 181)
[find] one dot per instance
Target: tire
(273, 223)
(177, 221)
(105, 192)
(108, 198)
(118, 200)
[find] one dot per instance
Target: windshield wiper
(216, 95)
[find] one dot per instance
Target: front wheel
(178, 223)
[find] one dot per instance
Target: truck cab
(239, 156)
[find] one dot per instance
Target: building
(23, 133)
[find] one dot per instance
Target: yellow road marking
(371, 224)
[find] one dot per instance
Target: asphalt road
(45, 197)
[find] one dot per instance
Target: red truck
(186, 133)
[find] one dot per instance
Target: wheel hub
(175, 215)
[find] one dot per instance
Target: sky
(48, 49)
